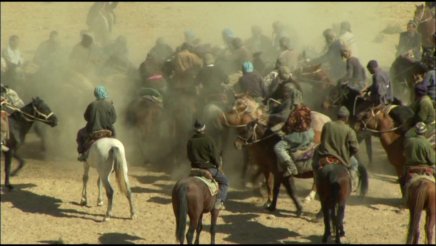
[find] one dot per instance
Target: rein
(365, 128)
(29, 117)
(246, 140)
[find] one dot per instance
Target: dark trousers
(222, 181)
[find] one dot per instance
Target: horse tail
(363, 179)
(417, 207)
(182, 214)
(120, 168)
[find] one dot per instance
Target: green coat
(99, 115)
(424, 110)
(418, 151)
(339, 140)
(202, 151)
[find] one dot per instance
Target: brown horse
(145, 115)
(191, 196)
(334, 187)
(426, 27)
(378, 121)
(422, 196)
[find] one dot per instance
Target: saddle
(206, 177)
(417, 173)
(328, 160)
(96, 136)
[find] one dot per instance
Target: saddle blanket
(211, 184)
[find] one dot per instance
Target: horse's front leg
(290, 188)
(8, 163)
(276, 189)
(100, 199)
(312, 193)
(21, 163)
(85, 177)
(269, 182)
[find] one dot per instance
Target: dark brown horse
(192, 197)
(334, 187)
(422, 196)
(426, 27)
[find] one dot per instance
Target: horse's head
(251, 133)
(420, 13)
(369, 119)
(42, 112)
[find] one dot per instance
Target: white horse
(107, 155)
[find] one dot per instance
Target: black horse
(20, 122)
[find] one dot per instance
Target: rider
(410, 40)
(298, 136)
(381, 88)
(13, 58)
(338, 140)
(332, 56)
(99, 115)
(423, 108)
(355, 77)
(418, 152)
(202, 154)
(251, 82)
(288, 56)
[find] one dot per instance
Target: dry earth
(44, 207)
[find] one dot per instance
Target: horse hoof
(107, 218)
(270, 208)
(99, 204)
(9, 187)
(133, 216)
(83, 203)
(299, 212)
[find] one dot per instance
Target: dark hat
(420, 128)
(421, 89)
(372, 64)
(198, 126)
(343, 112)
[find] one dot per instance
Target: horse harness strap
(29, 117)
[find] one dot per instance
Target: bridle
(373, 117)
(254, 136)
(31, 117)
(422, 16)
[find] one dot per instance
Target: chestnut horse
(421, 196)
(379, 121)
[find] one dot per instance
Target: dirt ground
(44, 207)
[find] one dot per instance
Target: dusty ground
(44, 207)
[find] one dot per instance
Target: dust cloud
(142, 23)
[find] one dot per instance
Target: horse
(318, 79)
(144, 114)
(192, 196)
(402, 72)
(20, 122)
(426, 27)
(422, 196)
(379, 121)
(334, 187)
(262, 141)
(351, 99)
(107, 155)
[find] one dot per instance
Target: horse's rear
(334, 187)
(190, 196)
(421, 197)
(107, 155)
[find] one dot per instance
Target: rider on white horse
(99, 115)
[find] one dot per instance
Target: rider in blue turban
(247, 67)
(100, 92)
